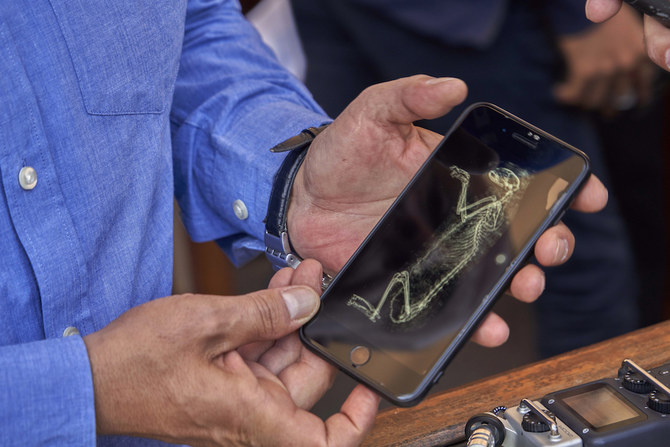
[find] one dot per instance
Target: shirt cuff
(47, 396)
(237, 175)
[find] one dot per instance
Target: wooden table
(440, 419)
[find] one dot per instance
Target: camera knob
(532, 423)
(485, 429)
(634, 382)
(659, 401)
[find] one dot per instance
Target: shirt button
(240, 209)
(70, 330)
(27, 178)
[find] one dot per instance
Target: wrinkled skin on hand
(222, 370)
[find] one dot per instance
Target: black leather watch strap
(277, 245)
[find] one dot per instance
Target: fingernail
(301, 302)
(562, 250)
(667, 59)
(433, 81)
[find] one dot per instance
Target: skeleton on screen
(457, 243)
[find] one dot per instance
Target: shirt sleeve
(47, 394)
(232, 102)
(567, 16)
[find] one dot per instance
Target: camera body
(632, 408)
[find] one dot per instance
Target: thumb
(406, 100)
(268, 315)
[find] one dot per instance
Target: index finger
(592, 197)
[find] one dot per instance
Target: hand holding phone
(428, 273)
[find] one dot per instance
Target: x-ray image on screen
(473, 228)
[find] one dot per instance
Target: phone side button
(559, 218)
(438, 377)
(360, 355)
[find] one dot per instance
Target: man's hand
(355, 168)
(213, 370)
(656, 36)
(607, 68)
(358, 165)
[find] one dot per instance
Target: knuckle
(268, 315)
(369, 91)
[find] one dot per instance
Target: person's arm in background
(606, 67)
(656, 36)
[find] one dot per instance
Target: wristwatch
(278, 247)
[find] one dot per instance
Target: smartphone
(425, 277)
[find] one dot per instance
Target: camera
(629, 409)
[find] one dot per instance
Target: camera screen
(445, 247)
(601, 407)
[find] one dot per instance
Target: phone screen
(431, 268)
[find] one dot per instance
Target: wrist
(279, 248)
(296, 216)
(103, 419)
(115, 411)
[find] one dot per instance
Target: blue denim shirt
(118, 106)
